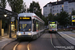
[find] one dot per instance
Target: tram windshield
(25, 26)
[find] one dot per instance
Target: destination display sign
(52, 22)
(24, 18)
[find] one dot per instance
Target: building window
(57, 6)
(70, 13)
(66, 7)
(50, 10)
(57, 10)
(55, 14)
(53, 7)
(66, 2)
(62, 5)
(54, 10)
(49, 5)
(69, 8)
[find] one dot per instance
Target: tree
(50, 17)
(56, 18)
(3, 3)
(63, 18)
(16, 5)
(23, 9)
(73, 12)
(45, 20)
(35, 8)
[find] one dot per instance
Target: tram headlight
(29, 33)
(19, 33)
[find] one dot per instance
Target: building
(8, 22)
(56, 7)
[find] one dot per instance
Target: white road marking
(68, 36)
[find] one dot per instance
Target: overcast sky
(41, 2)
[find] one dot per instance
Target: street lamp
(5, 15)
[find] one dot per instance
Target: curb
(7, 44)
(68, 38)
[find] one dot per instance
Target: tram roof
(29, 14)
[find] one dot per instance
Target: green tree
(63, 18)
(16, 5)
(73, 12)
(3, 3)
(35, 8)
(50, 17)
(56, 18)
(45, 20)
(23, 9)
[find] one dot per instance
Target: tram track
(65, 43)
(16, 44)
(16, 47)
(59, 42)
(51, 39)
(9, 46)
(43, 43)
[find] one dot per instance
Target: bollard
(2, 32)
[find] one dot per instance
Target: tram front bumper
(24, 36)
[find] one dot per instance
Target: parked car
(71, 27)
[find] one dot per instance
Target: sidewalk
(68, 35)
(5, 40)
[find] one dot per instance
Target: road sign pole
(72, 23)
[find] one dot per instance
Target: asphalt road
(47, 41)
(60, 43)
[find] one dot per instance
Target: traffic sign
(73, 20)
(12, 19)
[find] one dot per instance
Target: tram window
(25, 26)
(34, 27)
(37, 26)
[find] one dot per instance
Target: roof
(59, 2)
(5, 11)
(31, 15)
(27, 14)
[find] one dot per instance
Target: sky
(27, 2)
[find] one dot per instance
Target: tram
(29, 26)
(52, 25)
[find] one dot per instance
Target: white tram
(29, 26)
(52, 26)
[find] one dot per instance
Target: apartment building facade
(56, 7)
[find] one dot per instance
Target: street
(37, 25)
(47, 41)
